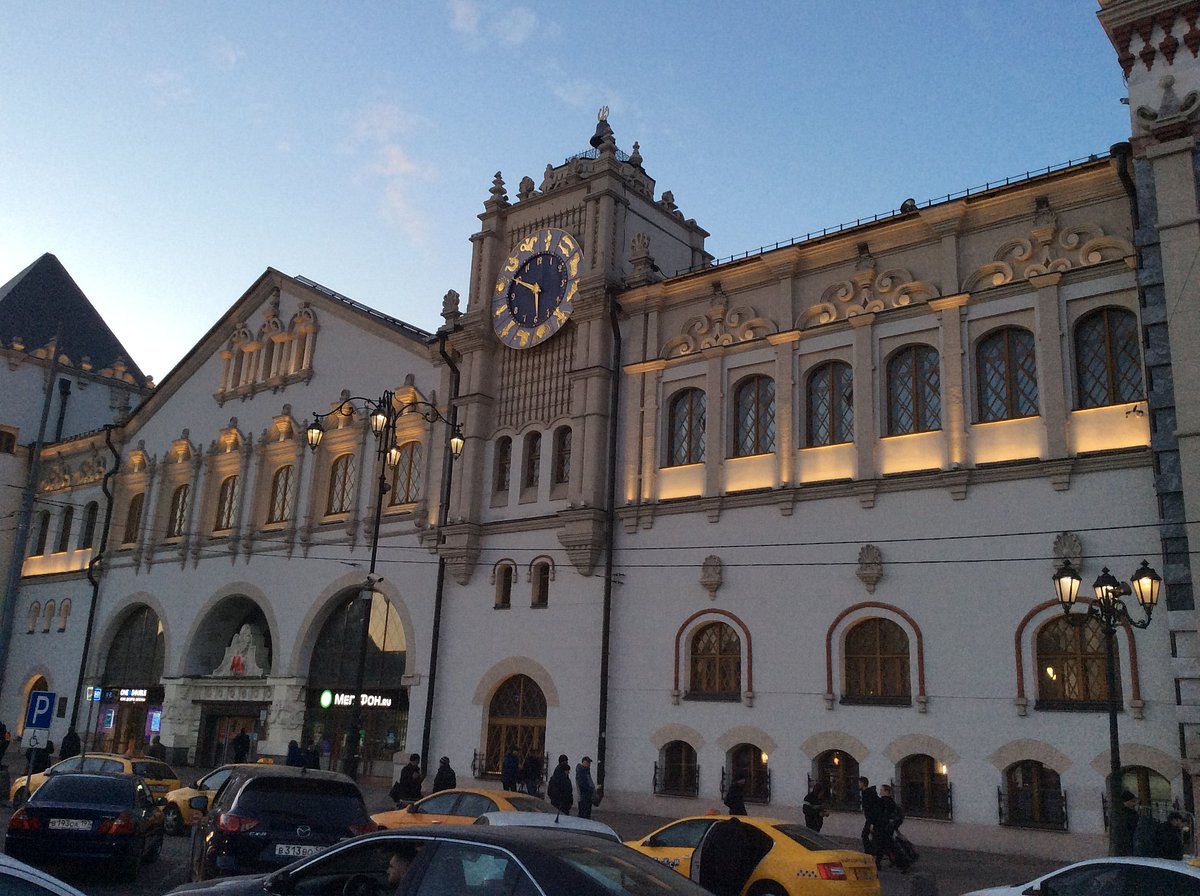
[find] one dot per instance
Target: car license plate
(864, 873)
(70, 824)
(295, 850)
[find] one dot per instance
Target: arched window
(516, 721)
(676, 772)
(914, 391)
(503, 472)
(561, 462)
(830, 418)
(406, 478)
(504, 582)
(749, 761)
(1006, 371)
(341, 485)
(48, 615)
(133, 519)
(177, 518)
(754, 416)
(1150, 788)
(540, 575)
(281, 495)
(716, 663)
(685, 428)
(1033, 797)
(138, 652)
(64, 613)
(87, 534)
(8, 442)
(64, 531)
(35, 613)
(838, 771)
(339, 645)
(226, 504)
(37, 545)
(1072, 664)
(876, 652)
(924, 787)
(1107, 364)
(531, 466)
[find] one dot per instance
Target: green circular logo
(326, 699)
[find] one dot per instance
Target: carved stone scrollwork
(1171, 112)
(1067, 546)
(867, 292)
(870, 566)
(710, 575)
(719, 327)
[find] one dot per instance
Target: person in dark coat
(70, 745)
(559, 790)
(872, 816)
(585, 787)
(814, 808)
(311, 755)
(295, 756)
(735, 794)
(241, 746)
(445, 779)
(156, 750)
(510, 770)
(408, 788)
(1124, 824)
(531, 774)
(886, 828)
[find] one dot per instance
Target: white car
(17, 877)
(1115, 876)
(545, 820)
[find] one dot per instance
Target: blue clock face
(536, 288)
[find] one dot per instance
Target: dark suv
(266, 816)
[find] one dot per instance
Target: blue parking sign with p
(41, 709)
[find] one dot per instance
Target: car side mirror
(199, 803)
(160, 801)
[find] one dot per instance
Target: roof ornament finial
(602, 115)
(602, 129)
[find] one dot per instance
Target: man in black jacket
(873, 818)
(559, 790)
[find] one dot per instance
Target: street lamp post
(383, 414)
(1110, 611)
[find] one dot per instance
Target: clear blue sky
(168, 153)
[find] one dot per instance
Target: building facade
(794, 515)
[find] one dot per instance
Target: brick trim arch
(875, 605)
(738, 624)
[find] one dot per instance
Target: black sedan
(88, 817)
(465, 861)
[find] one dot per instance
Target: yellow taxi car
(178, 816)
(159, 776)
(461, 806)
(764, 856)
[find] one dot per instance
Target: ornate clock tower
(539, 344)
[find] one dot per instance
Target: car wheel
(173, 820)
(21, 797)
(155, 850)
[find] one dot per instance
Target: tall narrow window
(503, 472)
(531, 465)
(406, 478)
(504, 583)
(1072, 665)
(37, 546)
(914, 391)
(87, 534)
(540, 574)
(64, 613)
(1107, 365)
(685, 428)
(838, 771)
(177, 518)
(64, 531)
(877, 662)
(924, 787)
(1006, 368)
(341, 485)
(133, 519)
(281, 495)
(716, 662)
(516, 721)
(677, 772)
(562, 455)
(754, 416)
(1033, 797)
(830, 416)
(226, 504)
(8, 442)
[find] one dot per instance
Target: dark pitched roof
(34, 302)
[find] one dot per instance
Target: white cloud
(226, 54)
(516, 26)
(169, 86)
(377, 123)
(393, 161)
(464, 16)
(580, 94)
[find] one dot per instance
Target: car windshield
(86, 789)
(619, 873)
(806, 838)
(334, 802)
(155, 771)
(531, 804)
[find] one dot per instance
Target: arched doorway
(129, 709)
(332, 684)
(516, 721)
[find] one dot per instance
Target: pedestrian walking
(295, 756)
(1124, 824)
(735, 794)
(241, 746)
(408, 788)
(531, 774)
(71, 745)
(510, 770)
(814, 809)
(585, 787)
(156, 750)
(445, 779)
(869, 798)
(559, 789)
